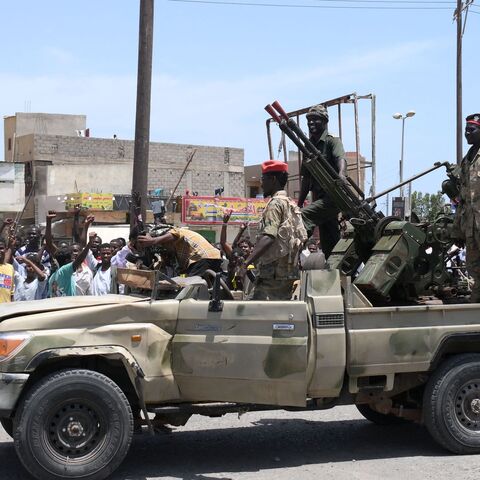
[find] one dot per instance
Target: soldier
(280, 237)
(467, 218)
(322, 212)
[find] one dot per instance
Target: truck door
(251, 352)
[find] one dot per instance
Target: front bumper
(11, 385)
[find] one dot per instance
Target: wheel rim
(75, 429)
(467, 406)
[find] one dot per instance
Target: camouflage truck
(78, 375)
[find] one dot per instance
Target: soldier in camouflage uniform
(280, 238)
(322, 211)
(467, 219)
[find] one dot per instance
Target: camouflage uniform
(467, 219)
(275, 278)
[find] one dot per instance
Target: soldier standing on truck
(280, 238)
(467, 218)
(322, 212)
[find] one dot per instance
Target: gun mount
(402, 260)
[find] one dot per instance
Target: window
(9, 144)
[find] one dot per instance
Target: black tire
(379, 418)
(7, 424)
(73, 424)
(451, 404)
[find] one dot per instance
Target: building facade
(59, 161)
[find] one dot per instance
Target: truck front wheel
(73, 424)
(452, 404)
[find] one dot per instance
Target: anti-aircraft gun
(402, 260)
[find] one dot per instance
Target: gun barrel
(411, 179)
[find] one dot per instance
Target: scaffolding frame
(351, 99)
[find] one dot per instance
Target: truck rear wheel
(73, 424)
(379, 418)
(452, 404)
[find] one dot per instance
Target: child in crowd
(102, 279)
(30, 281)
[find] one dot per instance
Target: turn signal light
(10, 343)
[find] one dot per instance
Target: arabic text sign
(208, 210)
(93, 201)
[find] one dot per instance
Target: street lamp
(399, 116)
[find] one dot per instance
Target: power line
(288, 5)
(450, 2)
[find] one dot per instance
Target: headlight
(11, 343)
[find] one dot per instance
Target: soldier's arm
(261, 246)
(304, 187)
(338, 153)
(272, 220)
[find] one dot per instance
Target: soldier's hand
(8, 221)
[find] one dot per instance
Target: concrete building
(58, 162)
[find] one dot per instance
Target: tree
(427, 205)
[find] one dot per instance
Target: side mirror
(216, 304)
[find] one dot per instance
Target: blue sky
(216, 66)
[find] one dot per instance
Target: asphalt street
(337, 444)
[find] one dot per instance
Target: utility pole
(144, 87)
(459, 122)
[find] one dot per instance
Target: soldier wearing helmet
(467, 218)
(322, 212)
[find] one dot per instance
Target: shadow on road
(262, 445)
(268, 444)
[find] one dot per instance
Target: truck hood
(16, 309)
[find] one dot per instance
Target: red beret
(274, 166)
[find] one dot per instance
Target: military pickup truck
(78, 375)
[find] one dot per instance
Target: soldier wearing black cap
(322, 211)
(467, 219)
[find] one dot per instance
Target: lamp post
(399, 116)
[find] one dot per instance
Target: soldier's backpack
(291, 234)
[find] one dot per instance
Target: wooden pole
(459, 123)
(144, 87)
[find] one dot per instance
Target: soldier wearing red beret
(467, 218)
(280, 238)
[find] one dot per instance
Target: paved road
(334, 444)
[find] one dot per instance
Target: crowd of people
(33, 266)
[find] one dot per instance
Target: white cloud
(58, 55)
